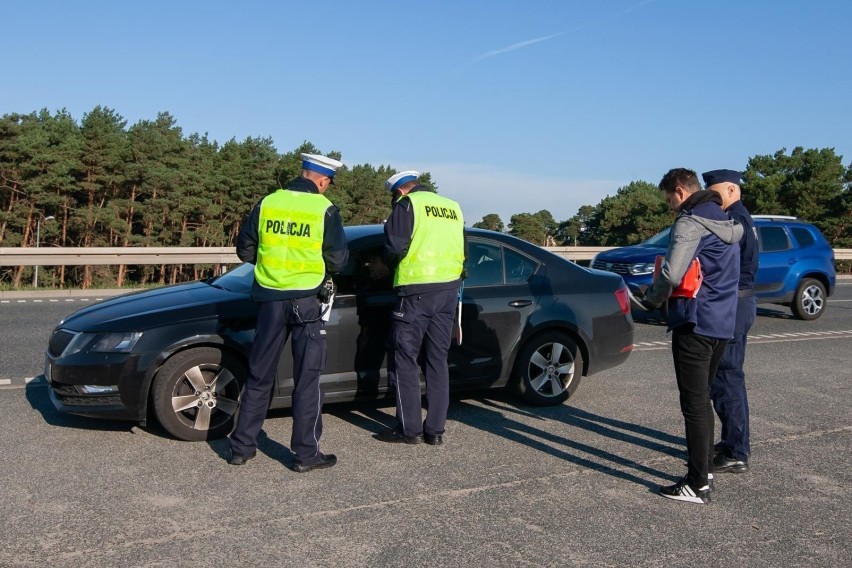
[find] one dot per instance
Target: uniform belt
(745, 293)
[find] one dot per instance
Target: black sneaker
(723, 464)
(683, 491)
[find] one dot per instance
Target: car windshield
(661, 239)
(236, 280)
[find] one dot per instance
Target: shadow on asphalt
(494, 413)
(494, 416)
(265, 445)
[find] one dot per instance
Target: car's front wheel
(810, 299)
(548, 369)
(196, 393)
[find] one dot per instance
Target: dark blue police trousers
(423, 321)
(728, 390)
(276, 322)
(696, 359)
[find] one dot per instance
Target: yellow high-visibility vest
(436, 253)
(290, 232)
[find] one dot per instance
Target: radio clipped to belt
(691, 283)
(325, 295)
(326, 298)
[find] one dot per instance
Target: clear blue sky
(514, 106)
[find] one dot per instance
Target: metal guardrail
(79, 256)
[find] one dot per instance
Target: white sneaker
(682, 491)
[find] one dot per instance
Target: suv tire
(809, 301)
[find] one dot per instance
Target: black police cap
(721, 176)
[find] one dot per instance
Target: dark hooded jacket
(702, 230)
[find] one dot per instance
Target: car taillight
(623, 299)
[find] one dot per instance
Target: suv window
(773, 239)
(804, 236)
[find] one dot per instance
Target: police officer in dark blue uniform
(424, 244)
(294, 237)
(728, 390)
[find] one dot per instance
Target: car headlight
(109, 342)
(640, 268)
(118, 342)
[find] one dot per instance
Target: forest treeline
(100, 183)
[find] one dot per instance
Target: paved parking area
(513, 485)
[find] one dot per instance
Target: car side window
(518, 267)
(484, 264)
(773, 239)
(369, 273)
(803, 236)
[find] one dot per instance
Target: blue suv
(795, 264)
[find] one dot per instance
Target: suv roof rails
(788, 217)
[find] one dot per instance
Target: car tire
(548, 369)
(810, 299)
(196, 393)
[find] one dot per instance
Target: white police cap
(322, 164)
(402, 177)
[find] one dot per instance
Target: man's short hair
(687, 179)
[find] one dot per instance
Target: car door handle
(520, 303)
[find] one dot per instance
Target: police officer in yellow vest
(294, 237)
(424, 243)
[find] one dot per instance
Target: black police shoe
(723, 464)
(326, 460)
(397, 436)
(237, 459)
(433, 439)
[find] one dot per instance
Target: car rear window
(804, 237)
(773, 239)
(518, 267)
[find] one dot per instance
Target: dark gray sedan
(531, 320)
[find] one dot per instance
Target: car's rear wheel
(809, 302)
(548, 369)
(196, 393)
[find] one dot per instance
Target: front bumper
(65, 377)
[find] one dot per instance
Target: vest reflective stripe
(436, 253)
(290, 231)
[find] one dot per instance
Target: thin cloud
(515, 46)
(529, 42)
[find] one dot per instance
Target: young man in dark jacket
(700, 324)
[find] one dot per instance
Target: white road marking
(758, 339)
(5, 381)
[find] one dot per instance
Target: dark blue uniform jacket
(748, 244)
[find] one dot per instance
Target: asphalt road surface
(513, 485)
